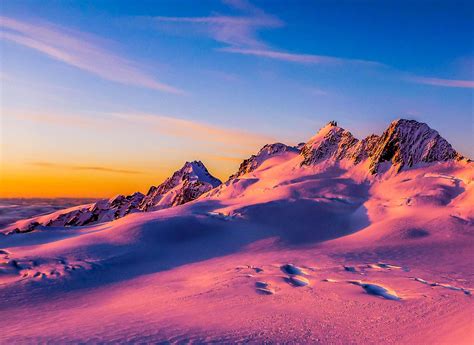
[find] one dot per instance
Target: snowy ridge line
(404, 144)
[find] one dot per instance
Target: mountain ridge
(186, 184)
(404, 144)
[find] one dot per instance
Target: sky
(105, 97)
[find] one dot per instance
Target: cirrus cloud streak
(168, 126)
(84, 167)
(298, 58)
(80, 50)
(468, 84)
(240, 35)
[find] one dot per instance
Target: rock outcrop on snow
(99, 212)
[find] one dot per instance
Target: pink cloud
(242, 5)
(468, 84)
(80, 50)
(233, 31)
(240, 34)
(194, 130)
(298, 58)
(162, 124)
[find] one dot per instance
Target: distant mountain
(99, 212)
(186, 184)
(404, 144)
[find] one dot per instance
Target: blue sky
(126, 85)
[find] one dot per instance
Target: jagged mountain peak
(406, 143)
(195, 171)
(331, 126)
(186, 184)
(328, 131)
(120, 198)
(193, 165)
(331, 141)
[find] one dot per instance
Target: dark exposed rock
(408, 142)
(404, 143)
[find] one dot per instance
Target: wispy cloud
(298, 58)
(169, 126)
(240, 35)
(233, 31)
(84, 167)
(51, 118)
(187, 129)
(315, 91)
(80, 50)
(468, 84)
(227, 76)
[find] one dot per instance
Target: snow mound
(377, 290)
(292, 269)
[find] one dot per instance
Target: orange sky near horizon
(44, 181)
(71, 155)
(94, 104)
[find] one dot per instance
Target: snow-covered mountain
(186, 184)
(331, 142)
(404, 144)
(335, 241)
(99, 212)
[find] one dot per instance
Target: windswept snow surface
(260, 258)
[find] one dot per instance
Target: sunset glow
(237, 172)
(155, 85)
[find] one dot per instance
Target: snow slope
(326, 252)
